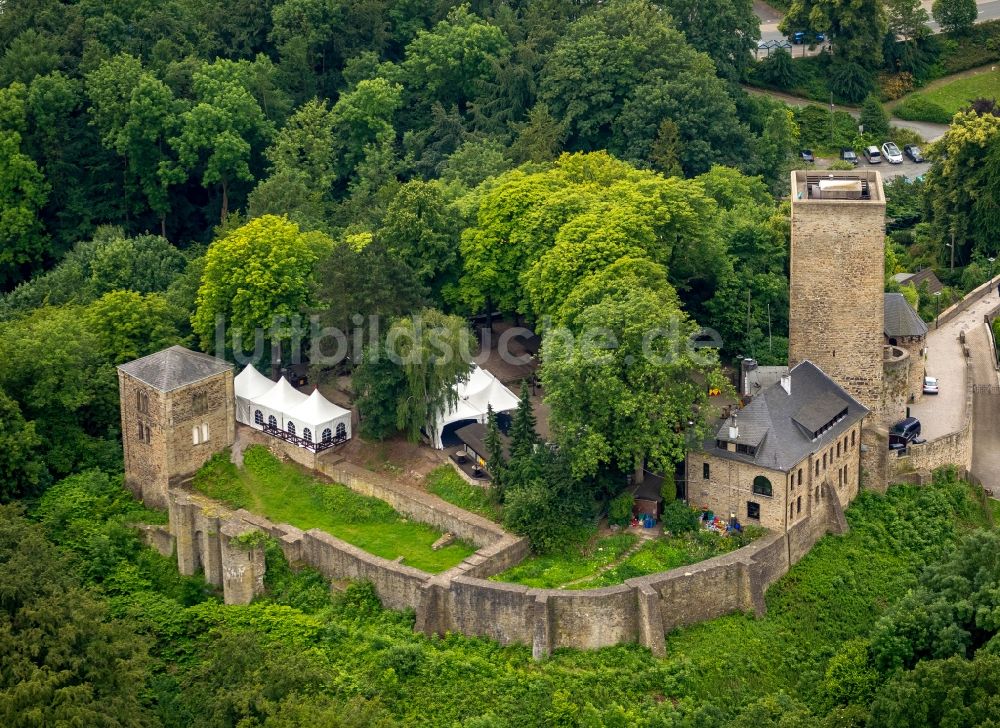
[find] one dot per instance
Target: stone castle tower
(178, 409)
(837, 280)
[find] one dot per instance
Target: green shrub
(918, 108)
(620, 509)
(678, 517)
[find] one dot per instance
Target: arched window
(142, 401)
(204, 432)
(272, 421)
(195, 435)
(852, 437)
(327, 435)
(800, 476)
(307, 434)
(258, 418)
(341, 431)
(798, 504)
(291, 428)
(762, 486)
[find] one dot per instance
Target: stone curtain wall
(463, 600)
(896, 364)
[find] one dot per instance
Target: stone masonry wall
(836, 291)
(460, 600)
(146, 468)
(895, 384)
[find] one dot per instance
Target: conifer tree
(496, 463)
(523, 437)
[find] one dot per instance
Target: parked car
(908, 428)
(799, 37)
(807, 156)
(913, 152)
(891, 152)
(930, 385)
(849, 155)
(873, 155)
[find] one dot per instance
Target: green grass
(549, 571)
(941, 103)
(664, 554)
(552, 571)
(448, 485)
(287, 494)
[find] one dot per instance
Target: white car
(930, 385)
(892, 154)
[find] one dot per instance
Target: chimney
(786, 383)
(734, 430)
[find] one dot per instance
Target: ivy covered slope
(858, 623)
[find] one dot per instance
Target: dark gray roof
(787, 421)
(474, 436)
(174, 368)
(916, 279)
(900, 318)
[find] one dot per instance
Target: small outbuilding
(473, 439)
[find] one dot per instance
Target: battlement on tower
(838, 187)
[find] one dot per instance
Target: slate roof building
(177, 410)
(920, 278)
(771, 462)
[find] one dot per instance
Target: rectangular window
(706, 471)
(791, 510)
(753, 510)
(195, 434)
(204, 432)
(799, 504)
(838, 448)
(817, 467)
(800, 476)
(199, 403)
(840, 476)
(824, 461)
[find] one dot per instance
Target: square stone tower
(178, 409)
(837, 279)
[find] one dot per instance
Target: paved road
(986, 408)
(770, 17)
(928, 131)
(942, 413)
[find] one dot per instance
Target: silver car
(892, 154)
(930, 385)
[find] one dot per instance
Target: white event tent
(319, 420)
(482, 390)
(248, 385)
(260, 402)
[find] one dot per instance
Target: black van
(903, 433)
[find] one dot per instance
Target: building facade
(837, 264)
(177, 410)
(771, 463)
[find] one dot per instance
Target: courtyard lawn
(613, 559)
(550, 571)
(948, 97)
(448, 485)
(286, 493)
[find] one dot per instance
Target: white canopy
(248, 385)
(318, 414)
(276, 402)
(482, 390)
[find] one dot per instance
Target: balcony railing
(274, 431)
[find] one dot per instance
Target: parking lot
(889, 171)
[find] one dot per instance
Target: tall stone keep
(837, 280)
(177, 409)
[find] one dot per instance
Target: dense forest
(575, 165)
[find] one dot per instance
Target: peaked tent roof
(174, 367)
(282, 397)
(316, 410)
(250, 383)
(771, 416)
(900, 318)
